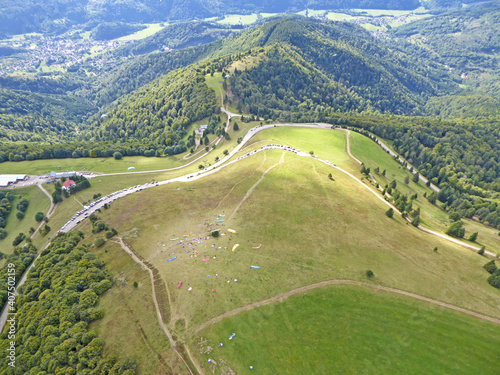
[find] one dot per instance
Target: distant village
(58, 52)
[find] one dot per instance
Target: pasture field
(238, 19)
(39, 202)
(432, 216)
(311, 229)
(350, 330)
(151, 28)
(213, 83)
(327, 144)
(130, 326)
(98, 165)
(334, 16)
(101, 184)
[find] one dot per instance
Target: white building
(7, 179)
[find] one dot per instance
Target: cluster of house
(67, 184)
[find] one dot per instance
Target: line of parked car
(91, 208)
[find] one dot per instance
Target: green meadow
(39, 202)
(300, 227)
(350, 330)
(311, 229)
(431, 215)
(97, 165)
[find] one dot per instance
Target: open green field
(334, 16)
(369, 16)
(351, 330)
(431, 215)
(311, 229)
(98, 165)
(130, 324)
(238, 19)
(39, 202)
(213, 83)
(326, 144)
(151, 28)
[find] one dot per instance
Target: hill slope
(336, 66)
(468, 42)
(58, 15)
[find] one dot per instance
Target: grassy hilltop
(311, 229)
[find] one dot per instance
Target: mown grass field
(311, 229)
(350, 330)
(432, 216)
(213, 83)
(39, 202)
(238, 19)
(98, 165)
(326, 144)
(151, 28)
(130, 327)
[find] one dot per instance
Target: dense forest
(54, 309)
(468, 42)
(159, 114)
(48, 106)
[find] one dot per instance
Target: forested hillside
(159, 113)
(313, 66)
(53, 312)
(53, 16)
(30, 117)
(467, 42)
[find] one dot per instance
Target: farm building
(7, 179)
(201, 129)
(55, 175)
(67, 184)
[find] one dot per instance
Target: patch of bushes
(99, 242)
(45, 230)
(111, 233)
(492, 268)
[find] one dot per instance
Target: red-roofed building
(68, 183)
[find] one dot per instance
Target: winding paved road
(224, 163)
